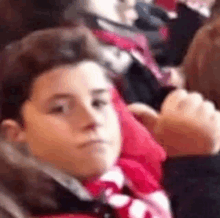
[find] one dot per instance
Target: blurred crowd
(109, 108)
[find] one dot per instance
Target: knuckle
(216, 120)
(195, 96)
(208, 105)
(178, 93)
(181, 92)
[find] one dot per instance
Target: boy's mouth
(97, 142)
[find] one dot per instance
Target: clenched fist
(187, 125)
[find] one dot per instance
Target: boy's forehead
(84, 77)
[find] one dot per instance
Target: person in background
(192, 181)
(152, 19)
(199, 176)
(200, 66)
(130, 56)
(191, 15)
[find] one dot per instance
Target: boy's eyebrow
(68, 95)
(60, 95)
(99, 91)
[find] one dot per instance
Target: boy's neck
(68, 182)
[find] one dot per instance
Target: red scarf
(139, 44)
(169, 5)
(145, 200)
(137, 143)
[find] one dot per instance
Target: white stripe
(137, 209)
(118, 200)
(158, 198)
(116, 176)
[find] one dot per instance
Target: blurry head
(21, 17)
(120, 11)
(56, 97)
(18, 18)
(202, 63)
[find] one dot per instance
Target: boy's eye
(98, 103)
(60, 109)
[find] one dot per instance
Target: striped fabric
(145, 200)
(169, 5)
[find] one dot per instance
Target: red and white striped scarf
(139, 44)
(146, 199)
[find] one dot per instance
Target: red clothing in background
(169, 5)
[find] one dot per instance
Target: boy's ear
(12, 131)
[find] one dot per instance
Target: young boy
(56, 98)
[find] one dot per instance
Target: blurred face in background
(121, 11)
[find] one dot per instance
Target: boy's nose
(89, 118)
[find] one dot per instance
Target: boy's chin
(97, 171)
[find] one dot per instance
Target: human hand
(188, 125)
(145, 114)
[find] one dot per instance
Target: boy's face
(121, 11)
(70, 121)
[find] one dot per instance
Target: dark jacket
(193, 184)
(182, 31)
(140, 85)
(151, 19)
(69, 203)
(26, 190)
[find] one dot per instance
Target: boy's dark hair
(25, 60)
